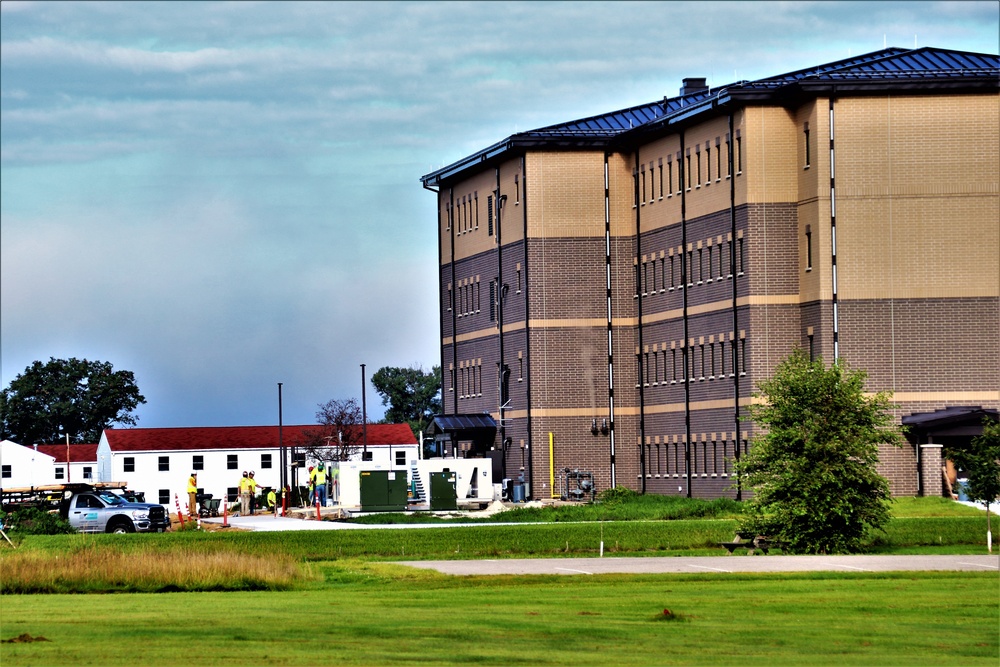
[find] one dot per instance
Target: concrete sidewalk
(711, 564)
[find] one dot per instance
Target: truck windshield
(111, 499)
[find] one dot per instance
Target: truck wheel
(123, 526)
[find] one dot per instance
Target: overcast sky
(223, 196)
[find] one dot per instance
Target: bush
(33, 521)
(619, 494)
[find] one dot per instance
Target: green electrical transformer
(444, 495)
(383, 491)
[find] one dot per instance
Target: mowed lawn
(364, 613)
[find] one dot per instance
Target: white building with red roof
(24, 466)
(159, 461)
(81, 459)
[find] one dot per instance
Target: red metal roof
(238, 437)
(78, 453)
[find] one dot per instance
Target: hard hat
(321, 465)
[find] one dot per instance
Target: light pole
(364, 417)
(67, 458)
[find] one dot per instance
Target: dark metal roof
(480, 429)
(950, 415)
(889, 69)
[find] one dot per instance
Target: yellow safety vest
(192, 485)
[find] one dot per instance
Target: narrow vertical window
(670, 178)
(517, 189)
(741, 257)
(708, 163)
(711, 367)
(809, 248)
(732, 257)
(743, 356)
(642, 179)
(710, 274)
(729, 156)
(701, 349)
(451, 377)
(718, 160)
(479, 296)
(652, 185)
(697, 159)
(812, 348)
(732, 357)
(688, 169)
(805, 132)
(687, 267)
(518, 278)
(476, 209)
(661, 177)
(493, 300)
(672, 283)
(739, 153)
(701, 265)
(489, 214)
(673, 364)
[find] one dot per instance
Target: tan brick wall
(565, 194)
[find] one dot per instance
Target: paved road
(725, 564)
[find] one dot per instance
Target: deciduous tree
(981, 463)
(812, 468)
(74, 396)
(339, 434)
(413, 396)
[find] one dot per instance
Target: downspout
(501, 294)
(527, 328)
(688, 361)
(736, 318)
(638, 292)
(833, 237)
(451, 306)
(611, 353)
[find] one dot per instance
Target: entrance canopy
(944, 426)
(478, 429)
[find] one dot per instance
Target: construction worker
(312, 485)
(253, 493)
(271, 501)
(245, 494)
(319, 480)
(192, 494)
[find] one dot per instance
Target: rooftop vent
(694, 86)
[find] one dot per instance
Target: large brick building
(613, 288)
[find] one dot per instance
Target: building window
(489, 214)
(451, 376)
(697, 159)
(701, 265)
(60, 473)
(88, 472)
(660, 165)
(232, 461)
(366, 456)
(265, 461)
(743, 356)
(164, 496)
(708, 163)
(401, 458)
(805, 132)
(809, 248)
(739, 242)
(520, 367)
(687, 169)
(197, 462)
(232, 492)
(729, 157)
(739, 153)
(5, 472)
(164, 464)
(670, 178)
(812, 348)
(128, 464)
(718, 160)
(493, 301)
(518, 278)
(517, 190)
(300, 460)
(476, 195)
(642, 191)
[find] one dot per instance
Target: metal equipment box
(444, 494)
(383, 491)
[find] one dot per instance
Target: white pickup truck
(91, 508)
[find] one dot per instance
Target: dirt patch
(24, 638)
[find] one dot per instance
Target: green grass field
(301, 598)
(380, 614)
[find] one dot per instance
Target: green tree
(981, 464)
(413, 396)
(812, 468)
(74, 396)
